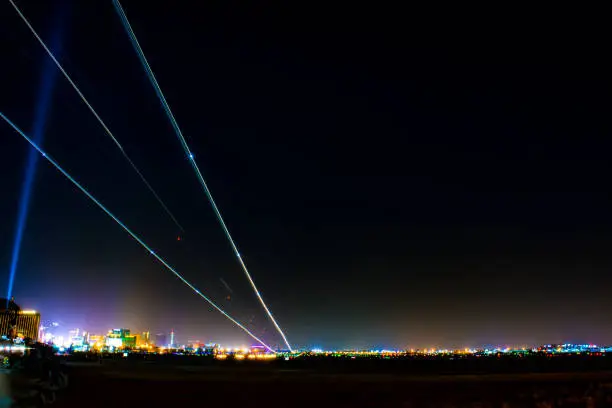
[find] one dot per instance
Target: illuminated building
(145, 338)
(118, 338)
(28, 323)
(129, 341)
(113, 339)
(96, 341)
(113, 342)
(172, 344)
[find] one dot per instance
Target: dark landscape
(576, 381)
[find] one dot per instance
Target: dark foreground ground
(123, 383)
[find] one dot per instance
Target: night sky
(390, 179)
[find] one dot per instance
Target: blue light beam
(48, 79)
(93, 111)
(189, 154)
(129, 231)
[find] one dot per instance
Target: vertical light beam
(132, 234)
(93, 111)
(48, 78)
(189, 154)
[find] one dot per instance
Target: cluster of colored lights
(546, 349)
(574, 348)
(351, 353)
(256, 356)
(13, 349)
(244, 353)
(98, 343)
(117, 343)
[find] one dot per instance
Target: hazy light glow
(93, 111)
(179, 134)
(129, 231)
(47, 82)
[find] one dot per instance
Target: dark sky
(391, 178)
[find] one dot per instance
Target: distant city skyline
(167, 340)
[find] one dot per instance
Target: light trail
(129, 231)
(179, 134)
(226, 285)
(93, 111)
(48, 78)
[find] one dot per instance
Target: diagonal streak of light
(129, 231)
(93, 111)
(179, 134)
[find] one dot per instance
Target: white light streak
(136, 237)
(93, 111)
(179, 134)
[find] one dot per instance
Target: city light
(132, 234)
(124, 342)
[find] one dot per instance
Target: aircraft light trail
(93, 111)
(129, 231)
(190, 156)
